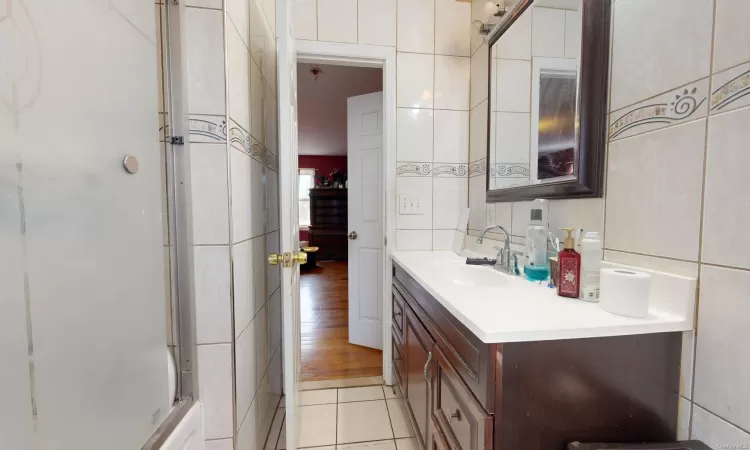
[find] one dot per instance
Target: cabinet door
(418, 349)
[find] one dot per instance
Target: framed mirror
(547, 114)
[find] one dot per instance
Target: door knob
(353, 235)
(275, 259)
(300, 257)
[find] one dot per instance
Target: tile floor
(356, 418)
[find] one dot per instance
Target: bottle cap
(536, 214)
(570, 241)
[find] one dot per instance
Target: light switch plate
(411, 204)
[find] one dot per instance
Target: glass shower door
(82, 277)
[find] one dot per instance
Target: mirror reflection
(534, 96)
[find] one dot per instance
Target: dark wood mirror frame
(592, 117)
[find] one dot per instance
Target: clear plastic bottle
(536, 268)
(591, 264)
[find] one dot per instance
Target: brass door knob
(300, 257)
(275, 259)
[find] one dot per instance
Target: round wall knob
(130, 163)
(353, 235)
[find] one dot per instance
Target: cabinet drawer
(464, 422)
(398, 313)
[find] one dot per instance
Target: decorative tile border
(425, 169)
(208, 129)
(509, 170)
(241, 140)
(731, 89)
(478, 167)
(667, 109)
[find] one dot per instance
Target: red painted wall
(323, 165)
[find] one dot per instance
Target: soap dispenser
(569, 266)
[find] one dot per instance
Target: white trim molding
(385, 58)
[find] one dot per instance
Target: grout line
(336, 432)
(207, 9)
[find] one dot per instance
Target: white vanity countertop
(501, 308)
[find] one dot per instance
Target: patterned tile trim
(441, 170)
(509, 170)
(478, 167)
(208, 128)
(667, 109)
(731, 89)
(241, 140)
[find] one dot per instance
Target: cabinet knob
(454, 415)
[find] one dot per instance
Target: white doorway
(290, 52)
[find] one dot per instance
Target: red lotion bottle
(569, 265)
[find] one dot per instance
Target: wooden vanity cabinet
(462, 394)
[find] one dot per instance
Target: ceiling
(322, 104)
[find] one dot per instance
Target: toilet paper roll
(624, 292)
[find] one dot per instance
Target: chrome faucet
(502, 263)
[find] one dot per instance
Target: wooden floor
(326, 351)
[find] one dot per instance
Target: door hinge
(176, 140)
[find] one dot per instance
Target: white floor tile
(405, 444)
(320, 397)
(317, 425)
(398, 421)
(363, 421)
(359, 394)
(373, 445)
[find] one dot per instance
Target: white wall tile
(451, 137)
(415, 187)
(212, 302)
(516, 42)
(653, 192)
(512, 137)
(442, 239)
(503, 214)
(513, 82)
(208, 185)
(479, 76)
(215, 389)
(684, 409)
(452, 77)
(239, 15)
(413, 240)
(245, 369)
(452, 21)
(258, 203)
(305, 19)
(242, 269)
(416, 26)
(573, 34)
(257, 103)
(548, 32)
(261, 342)
(246, 437)
(337, 20)
(478, 132)
(415, 78)
(377, 22)
(261, 271)
(242, 185)
(586, 213)
(273, 275)
(732, 35)
(653, 36)
(272, 200)
(414, 134)
(269, 9)
(274, 320)
(213, 4)
(239, 79)
(722, 361)
(715, 432)
(218, 444)
(726, 215)
(480, 12)
(204, 42)
(451, 195)
(269, 118)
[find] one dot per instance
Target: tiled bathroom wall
(231, 73)
(677, 198)
(432, 41)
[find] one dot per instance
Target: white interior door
(366, 245)
(289, 217)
